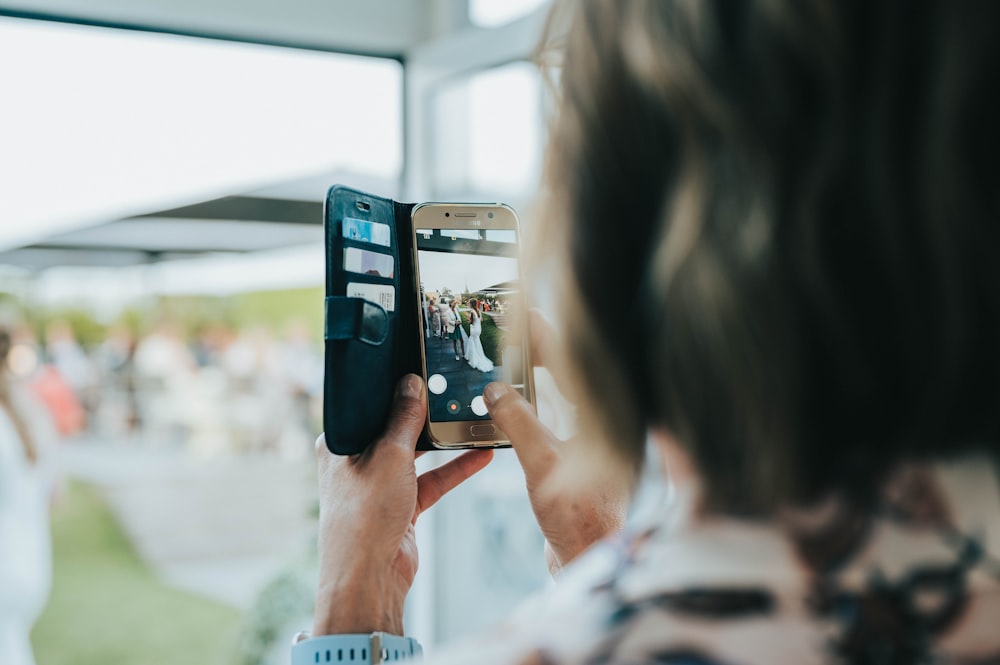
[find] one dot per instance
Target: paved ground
(220, 527)
(464, 382)
(224, 525)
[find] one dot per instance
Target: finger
(323, 456)
(406, 420)
(434, 484)
(321, 451)
(534, 444)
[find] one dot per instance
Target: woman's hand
(369, 505)
(571, 518)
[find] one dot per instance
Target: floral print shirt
(729, 592)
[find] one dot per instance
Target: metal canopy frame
(232, 224)
(181, 32)
(248, 209)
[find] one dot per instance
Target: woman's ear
(677, 463)
(681, 472)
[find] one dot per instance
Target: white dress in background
(25, 544)
(474, 347)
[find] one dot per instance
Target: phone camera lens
(447, 214)
(490, 215)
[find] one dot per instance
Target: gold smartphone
(472, 316)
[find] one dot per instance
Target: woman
(454, 329)
(434, 314)
(801, 197)
(25, 549)
(474, 353)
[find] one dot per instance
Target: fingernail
(410, 386)
(494, 392)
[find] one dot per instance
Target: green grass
(108, 608)
(491, 338)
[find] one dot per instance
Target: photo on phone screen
(470, 296)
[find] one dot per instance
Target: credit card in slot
(368, 263)
(365, 231)
(383, 294)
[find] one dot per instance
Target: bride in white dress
(474, 353)
(25, 482)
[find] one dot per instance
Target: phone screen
(469, 294)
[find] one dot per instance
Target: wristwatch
(366, 648)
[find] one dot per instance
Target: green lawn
(108, 608)
(491, 336)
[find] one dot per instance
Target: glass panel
(487, 135)
(486, 138)
(100, 123)
(493, 13)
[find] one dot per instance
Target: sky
(455, 271)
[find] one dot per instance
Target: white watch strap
(356, 648)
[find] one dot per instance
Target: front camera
(447, 214)
(490, 215)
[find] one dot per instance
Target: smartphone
(471, 317)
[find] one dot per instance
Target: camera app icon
(479, 406)
(437, 384)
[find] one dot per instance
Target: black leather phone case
(368, 349)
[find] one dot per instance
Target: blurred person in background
(259, 402)
(26, 484)
(72, 363)
(164, 368)
(211, 343)
(47, 385)
(801, 199)
(115, 360)
(301, 365)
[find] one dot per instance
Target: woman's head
(800, 196)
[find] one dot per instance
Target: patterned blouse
(917, 586)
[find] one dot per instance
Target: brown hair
(801, 197)
(7, 402)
